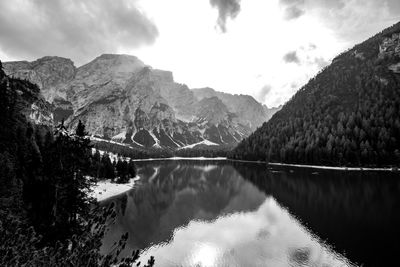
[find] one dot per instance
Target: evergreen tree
(80, 129)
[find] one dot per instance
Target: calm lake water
(218, 213)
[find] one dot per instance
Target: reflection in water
(214, 214)
(355, 212)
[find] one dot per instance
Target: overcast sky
(265, 48)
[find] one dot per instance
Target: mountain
(349, 114)
(269, 112)
(48, 73)
(121, 99)
(24, 99)
(250, 112)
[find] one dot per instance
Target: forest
(122, 150)
(348, 115)
(47, 217)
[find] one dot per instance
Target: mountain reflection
(189, 213)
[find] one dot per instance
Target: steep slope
(121, 99)
(23, 98)
(221, 126)
(178, 96)
(129, 110)
(269, 112)
(249, 112)
(349, 114)
(50, 74)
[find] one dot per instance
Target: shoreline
(181, 158)
(105, 189)
(332, 167)
(323, 167)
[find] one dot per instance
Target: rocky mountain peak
(119, 68)
(248, 110)
(121, 98)
(48, 73)
(164, 76)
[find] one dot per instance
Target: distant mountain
(249, 111)
(349, 114)
(269, 112)
(121, 99)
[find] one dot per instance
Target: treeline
(204, 151)
(120, 170)
(138, 153)
(349, 114)
(134, 153)
(46, 215)
(124, 151)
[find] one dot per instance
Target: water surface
(199, 213)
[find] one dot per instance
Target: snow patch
(172, 139)
(202, 131)
(114, 142)
(157, 144)
(204, 142)
(106, 189)
(112, 156)
(107, 141)
(120, 136)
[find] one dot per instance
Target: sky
(264, 48)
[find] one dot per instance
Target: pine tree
(80, 129)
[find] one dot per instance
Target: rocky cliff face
(120, 98)
(50, 74)
(249, 112)
(27, 98)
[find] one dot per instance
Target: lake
(221, 213)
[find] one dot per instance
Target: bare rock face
(179, 96)
(219, 124)
(50, 74)
(28, 99)
(119, 98)
(249, 112)
(101, 78)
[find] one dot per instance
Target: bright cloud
(230, 45)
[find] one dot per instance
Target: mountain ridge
(119, 97)
(348, 114)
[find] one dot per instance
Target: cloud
(293, 12)
(291, 57)
(293, 9)
(351, 20)
(312, 46)
(321, 62)
(263, 93)
(226, 9)
(76, 29)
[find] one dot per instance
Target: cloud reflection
(199, 215)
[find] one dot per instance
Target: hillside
(349, 114)
(121, 99)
